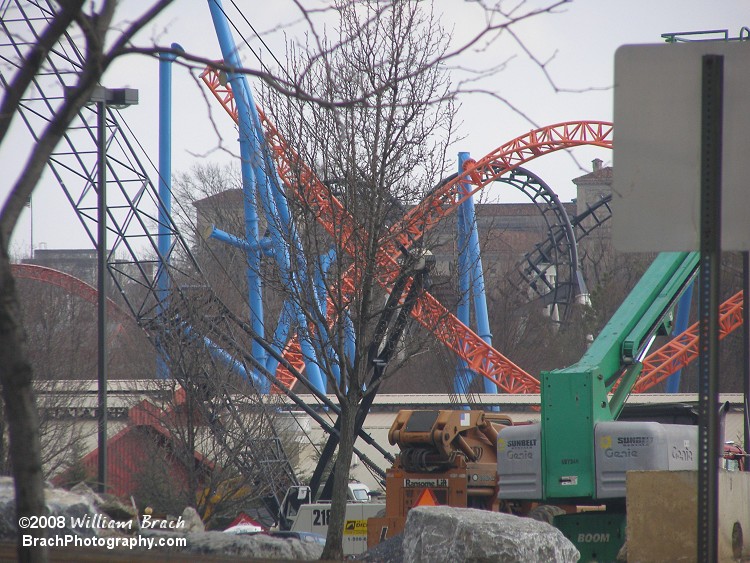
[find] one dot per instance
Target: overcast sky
(578, 42)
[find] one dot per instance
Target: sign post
(708, 332)
(680, 183)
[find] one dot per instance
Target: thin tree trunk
(334, 549)
(20, 412)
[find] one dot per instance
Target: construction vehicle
(579, 453)
(576, 457)
(447, 457)
(300, 514)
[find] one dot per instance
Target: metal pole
(101, 270)
(249, 157)
(31, 226)
(708, 367)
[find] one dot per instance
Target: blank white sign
(657, 146)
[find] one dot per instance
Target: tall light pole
(117, 98)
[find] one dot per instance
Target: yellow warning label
(355, 528)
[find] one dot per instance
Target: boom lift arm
(576, 398)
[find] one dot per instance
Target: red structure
(128, 454)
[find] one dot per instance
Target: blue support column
(321, 289)
(265, 244)
(225, 358)
(464, 376)
(259, 178)
(291, 259)
(481, 315)
(680, 325)
(472, 275)
(280, 335)
(164, 237)
(249, 181)
(321, 296)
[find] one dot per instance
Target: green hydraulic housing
(574, 399)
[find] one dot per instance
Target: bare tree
(376, 157)
(60, 337)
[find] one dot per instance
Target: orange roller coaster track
(478, 174)
(683, 348)
(429, 312)
(481, 357)
(70, 284)
(341, 225)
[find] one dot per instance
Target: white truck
(300, 514)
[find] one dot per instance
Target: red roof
(126, 455)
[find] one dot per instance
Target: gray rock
(387, 551)
(82, 508)
(76, 509)
(193, 522)
(437, 534)
(107, 504)
(260, 546)
(7, 509)
(84, 490)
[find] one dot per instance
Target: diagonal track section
(429, 312)
(443, 201)
(683, 348)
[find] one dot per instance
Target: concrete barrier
(662, 516)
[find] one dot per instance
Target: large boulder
(108, 504)
(85, 515)
(79, 511)
(261, 546)
(436, 534)
(193, 522)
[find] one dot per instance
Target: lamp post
(117, 98)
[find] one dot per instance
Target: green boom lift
(578, 454)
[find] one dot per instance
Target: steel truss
(133, 205)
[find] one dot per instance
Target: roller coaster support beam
(321, 295)
(265, 245)
(257, 164)
(287, 312)
(464, 376)
(380, 354)
(472, 278)
(430, 313)
(225, 358)
(164, 237)
(281, 334)
(680, 325)
(249, 179)
(327, 403)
